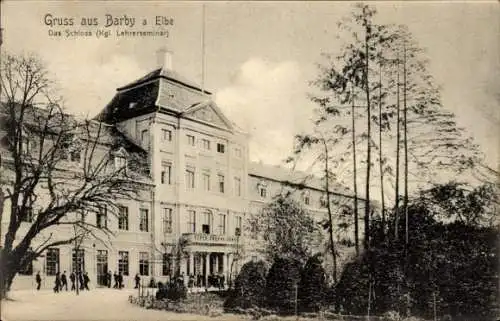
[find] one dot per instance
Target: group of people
(61, 281)
(117, 278)
(214, 280)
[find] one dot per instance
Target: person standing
(115, 276)
(38, 280)
(57, 282)
(86, 281)
(80, 280)
(64, 281)
(137, 281)
(120, 280)
(72, 278)
(108, 279)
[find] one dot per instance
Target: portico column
(230, 265)
(207, 267)
(216, 268)
(191, 263)
(224, 267)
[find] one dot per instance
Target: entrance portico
(209, 257)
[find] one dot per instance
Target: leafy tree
(287, 228)
(312, 287)
(250, 286)
(43, 194)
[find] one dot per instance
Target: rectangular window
(166, 174)
(190, 178)
(206, 144)
(221, 148)
(263, 192)
(166, 135)
(238, 230)
(166, 264)
(190, 140)
(307, 199)
(123, 262)
(206, 181)
(222, 224)
(78, 260)
(120, 163)
(26, 145)
(237, 152)
(221, 183)
(143, 263)
(52, 261)
(123, 218)
(207, 221)
(322, 201)
(144, 136)
(167, 220)
(237, 186)
(143, 220)
(192, 222)
(102, 217)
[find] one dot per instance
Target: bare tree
(57, 171)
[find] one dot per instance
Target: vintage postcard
(182, 160)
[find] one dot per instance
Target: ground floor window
(123, 262)
(52, 261)
(143, 263)
(78, 260)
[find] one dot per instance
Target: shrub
(174, 291)
(312, 286)
(282, 279)
(249, 288)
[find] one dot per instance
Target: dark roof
(166, 74)
(160, 89)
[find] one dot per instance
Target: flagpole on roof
(203, 50)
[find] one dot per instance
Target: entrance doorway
(102, 267)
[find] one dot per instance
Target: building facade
(198, 192)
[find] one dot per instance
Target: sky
(260, 57)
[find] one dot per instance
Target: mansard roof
(160, 90)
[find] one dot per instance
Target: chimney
(164, 58)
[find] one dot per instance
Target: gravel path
(97, 304)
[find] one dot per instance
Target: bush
(282, 279)
(441, 265)
(249, 288)
(312, 286)
(174, 291)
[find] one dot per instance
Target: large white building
(198, 186)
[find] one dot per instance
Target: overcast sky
(261, 56)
